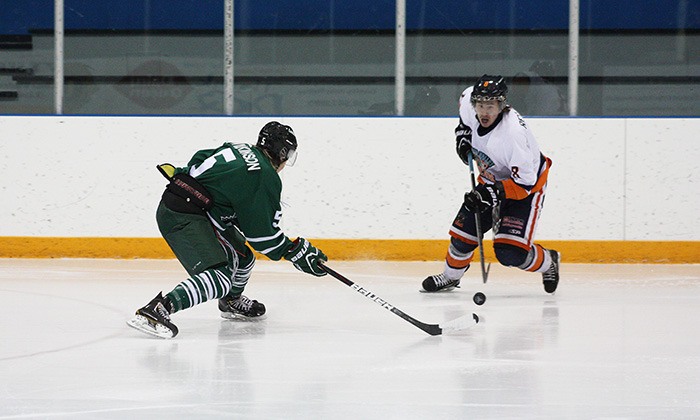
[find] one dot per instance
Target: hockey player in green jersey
(222, 199)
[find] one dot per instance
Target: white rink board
(373, 178)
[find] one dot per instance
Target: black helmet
(279, 141)
(489, 88)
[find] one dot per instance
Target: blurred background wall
(322, 57)
(372, 87)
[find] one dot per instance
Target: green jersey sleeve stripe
(264, 238)
(268, 250)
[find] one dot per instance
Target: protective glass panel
(26, 63)
(143, 57)
(339, 58)
(451, 44)
(643, 61)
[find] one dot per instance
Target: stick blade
(433, 330)
(461, 323)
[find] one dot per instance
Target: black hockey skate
(550, 278)
(439, 283)
(154, 318)
(241, 307)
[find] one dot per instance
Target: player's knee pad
(509, 255)
(461, 246)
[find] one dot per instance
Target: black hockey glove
(305, 257)
(463, 138)
(483, 197)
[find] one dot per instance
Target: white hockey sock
(454, 273)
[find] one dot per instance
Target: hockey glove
(305, 257)
(483, 197)
(463, 139)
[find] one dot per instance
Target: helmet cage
(490, 88)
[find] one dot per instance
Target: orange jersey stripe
(455, 263)
(512, 242)
(535, 215)
(539, 258)
(462, 238)
(516, 192)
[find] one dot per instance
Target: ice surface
(615, 341)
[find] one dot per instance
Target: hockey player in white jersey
(510, 192)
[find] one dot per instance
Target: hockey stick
(432, 329)
(477, 219)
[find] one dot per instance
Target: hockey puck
(479, 298)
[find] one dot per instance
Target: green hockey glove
(305, 257)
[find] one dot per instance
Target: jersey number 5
(226, 153)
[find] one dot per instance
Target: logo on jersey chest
(483, 162)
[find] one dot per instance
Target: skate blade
(142, 324)
(242, 318)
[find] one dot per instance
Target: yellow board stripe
(605, 252)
